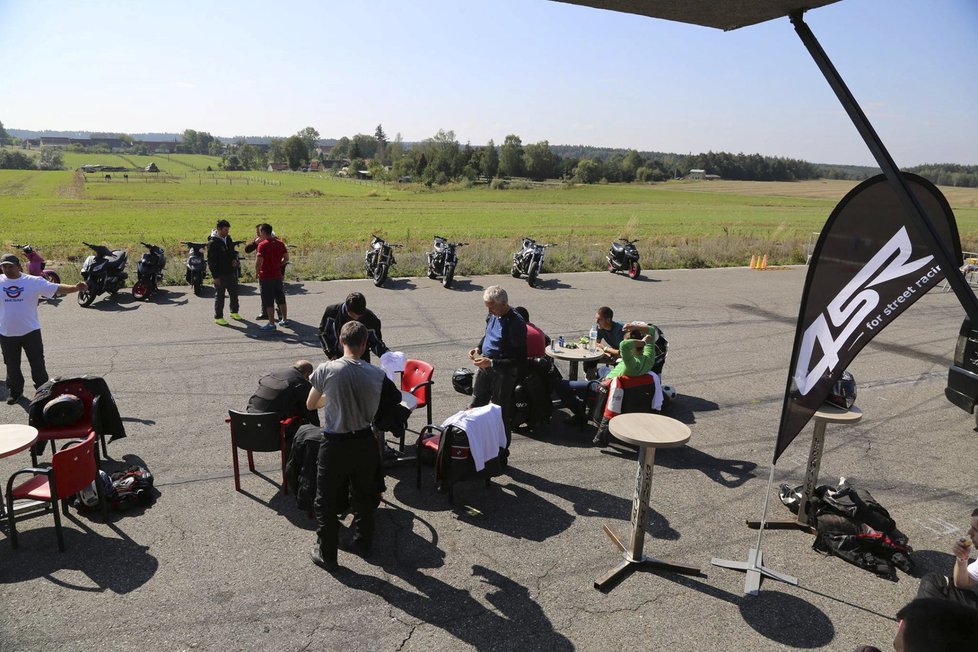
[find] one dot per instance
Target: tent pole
(945, 257)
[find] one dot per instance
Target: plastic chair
(416, 379)
(80, 428)
(257, 432)
(72, 469)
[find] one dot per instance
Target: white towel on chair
(484, 428)
(392, 362)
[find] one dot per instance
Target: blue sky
(539, 69)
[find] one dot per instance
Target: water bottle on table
(592, 339)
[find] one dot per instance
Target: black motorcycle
(528, 261)
(196, 265)
(149, 272)
(379, 259)
(623, 257)
(103, 272)
(443, 260)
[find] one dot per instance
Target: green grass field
(329, 221)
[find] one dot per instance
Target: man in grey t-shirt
(351, 392)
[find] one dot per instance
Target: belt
(346, 436)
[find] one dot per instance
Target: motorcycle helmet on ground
(843, 393)
(462, 381)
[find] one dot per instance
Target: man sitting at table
(610, 334)
(962, 585)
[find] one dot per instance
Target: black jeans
(347, 463)
(229, 284)
(496, 385)
(32, 345)
(937, 585)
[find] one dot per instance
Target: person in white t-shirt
(20, 329)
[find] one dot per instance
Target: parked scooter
(379, 259)
(623, 257)
(443, 260)
(528, 261)
(35, 264)
(149, 272)
(196, 265)
(105, 271)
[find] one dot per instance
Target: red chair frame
(72, 469)
(257, 440)
(80, 428)
(416, 379)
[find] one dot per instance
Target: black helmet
(843, 393)
(462, 381)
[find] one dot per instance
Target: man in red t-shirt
(271, 258)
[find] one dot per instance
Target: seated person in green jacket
(634, 362)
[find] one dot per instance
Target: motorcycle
(149, 272)
(528, 261)
(379, 259)
(623, 257)
(443, 260)
(35, 264)
(105, 271)
(196, 265)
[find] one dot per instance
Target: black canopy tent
(734, 14)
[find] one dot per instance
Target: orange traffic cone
(763, 264)
(753, 259)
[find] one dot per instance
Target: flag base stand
(754, 566)
(756, 571)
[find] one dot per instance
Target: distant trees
(51, 159)
(199, 142)
(511, 157)
(489, 160)
(948, 174)
(296, 152)
(4, 136)
(16, 161)
(309, 136)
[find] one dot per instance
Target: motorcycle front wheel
(531, 278)
(380, 274)
(634, 270)
(516, 272)
(449, 276)
(52, 277)
(85, 298)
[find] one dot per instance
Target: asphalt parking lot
(510, 567)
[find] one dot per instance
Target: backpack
(130, 488)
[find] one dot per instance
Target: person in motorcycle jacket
(20, 329)
(223, 267)
(354, 308)
(500, 356)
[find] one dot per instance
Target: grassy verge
(329, 221)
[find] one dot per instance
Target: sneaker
(13, 399)
(236, 317)
(261, 317)
(283, 322)
(221, 321)
(270, 326)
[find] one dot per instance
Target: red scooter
(35, 264)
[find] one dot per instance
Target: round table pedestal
(648, 432)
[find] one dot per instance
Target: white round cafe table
(648, 432)
(573, 357)
(15, 438)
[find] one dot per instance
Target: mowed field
(329, 221)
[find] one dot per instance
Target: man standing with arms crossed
(20, 329)
(271, 258)
(351, 392)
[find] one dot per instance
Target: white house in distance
(701, 174)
